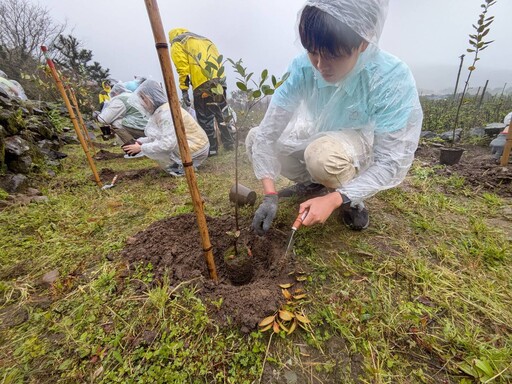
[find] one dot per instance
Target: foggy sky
(428, 35)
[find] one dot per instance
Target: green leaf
(206, 73)
(220, 72)
(220, 89)
(256, 94)
(485, 367)
(199, 56)
(219, 59)
(249, 76)
(117, 356)
(274, 81)
(241, 86)
(470, 50)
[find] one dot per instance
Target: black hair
(322, 33)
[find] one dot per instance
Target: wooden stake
(72, 116)
(74, 102)
(170, 86)
(508, 146)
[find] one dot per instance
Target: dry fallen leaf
(276, 327)
(266, 328)
(283, 327)
(285, 315)
(293, 326)
(266, 321)
(298, 297)
(302, 278)
(287, 295)
(284, 286)
(302, 319)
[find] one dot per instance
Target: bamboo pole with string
(172, 96)
(72, 115)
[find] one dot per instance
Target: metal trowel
(295, 226)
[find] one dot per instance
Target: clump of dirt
(173, 247)
(107, 155)
(477, 166)
(107, 174)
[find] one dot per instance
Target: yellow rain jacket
(185, 47)
(105, 93)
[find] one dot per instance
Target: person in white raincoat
(159, 141)
(344, 125)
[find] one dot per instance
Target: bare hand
(320, 208)
(132, 149)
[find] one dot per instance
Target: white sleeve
(161, 137)
(113, 111)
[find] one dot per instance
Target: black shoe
(212, 153)
(175, 170)
(355, 218)
(303, 190)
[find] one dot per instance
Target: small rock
(37, 111)
(13, 182)
(291, 377)
(66, 129)
(22, 164)
(131, 240)
(70, 140)
(448, 135)
(51, 277)
(477, 132)
(51, 173)
(39, 199)
(15, 145)
(428, 135)
(33, 192)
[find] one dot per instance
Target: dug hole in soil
(173, 247)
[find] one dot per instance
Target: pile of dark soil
(173, 248)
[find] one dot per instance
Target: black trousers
(209, 108)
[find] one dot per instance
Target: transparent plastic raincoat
(160, 142)
(377, 99)
(124, 110)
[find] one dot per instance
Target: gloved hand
(265, 214)
(185, 98)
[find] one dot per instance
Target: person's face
(146, 103)
(335, 68)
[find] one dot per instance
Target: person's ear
(363, 46)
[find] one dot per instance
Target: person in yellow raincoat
(104, 95)
(190, 52)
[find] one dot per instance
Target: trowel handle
(298, 221)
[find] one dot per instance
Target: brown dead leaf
(283, 327)
(298, 297)
(266, 321)
(265, 329)
(293, 326)
(286, 315)
(301, 278)
(285, 286)
(276, 327)
(286, 293)
(302, 319)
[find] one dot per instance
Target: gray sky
(429, 35)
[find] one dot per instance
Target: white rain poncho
(160, 142)
(378, 99)
(123, 110)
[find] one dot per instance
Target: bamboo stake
(72, 116)
(170, 86)
(508, 146)
(74, 102)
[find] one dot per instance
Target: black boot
(355, 218)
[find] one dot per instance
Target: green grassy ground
(423, 296)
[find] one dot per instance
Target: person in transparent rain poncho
(346, 122)
(159, 142)
(124, 114)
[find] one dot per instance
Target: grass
(422, 296)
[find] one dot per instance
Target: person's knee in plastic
(329, 162)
